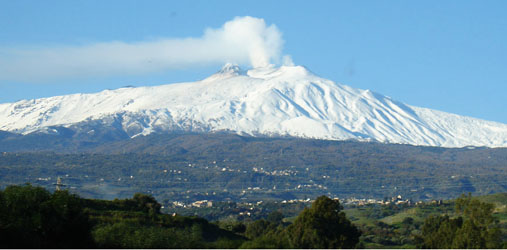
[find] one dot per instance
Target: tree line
(33, 217)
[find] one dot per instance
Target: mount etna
(265, 133)
(266, 101)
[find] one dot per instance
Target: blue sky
(445, 55)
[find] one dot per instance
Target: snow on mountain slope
(263, 101)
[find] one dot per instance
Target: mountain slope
(285, 101)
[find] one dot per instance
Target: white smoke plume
(243, 40)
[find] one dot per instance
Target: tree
(147, 203)
(31, 217)
(407, 221)
(132, 235)
(258, 228)
(266, 235)
(474, 227)
(440, 231)
(275, 217)
(323, 226)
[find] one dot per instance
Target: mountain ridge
(270, 101)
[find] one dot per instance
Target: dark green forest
(222, 167)
(33, 217)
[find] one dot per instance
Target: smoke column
(243, 40)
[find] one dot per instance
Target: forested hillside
(190, 167)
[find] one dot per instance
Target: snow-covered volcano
(284, 101)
